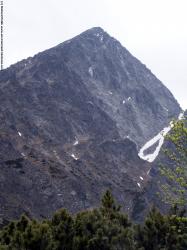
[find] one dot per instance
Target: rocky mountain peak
(71, 121)
(94, 31)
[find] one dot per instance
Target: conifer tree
(175, 189)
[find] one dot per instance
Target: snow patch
(138, 184)
(141, 178)
(76, 142)
(101, 38)
(74, 157)
(19, 133)
(110, 92)
(129, 98)
(23, 154)
(123, 101)
(91, 103)
(181, 116)
(158, 138)
(90, 70)
(166, 109)
(148, 171)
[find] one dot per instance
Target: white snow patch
(74, 157)
(181, 116)
(141, 178)
(76, 142)
(158, 138)
(19, 133)
(90, 70)
(110, 92)
(89, 102)
(23, 154)
(123, 101)
(101, 38)
(129, 98)
(166, 109)
(148, 171)
(138, 184)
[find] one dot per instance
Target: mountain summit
(72, 119)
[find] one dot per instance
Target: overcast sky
(152, 30)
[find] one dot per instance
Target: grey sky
(152, 30)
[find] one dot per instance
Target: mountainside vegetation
(175, 187)
(105, 228)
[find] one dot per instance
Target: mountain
(72, 120)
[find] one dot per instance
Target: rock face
(72, 119)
